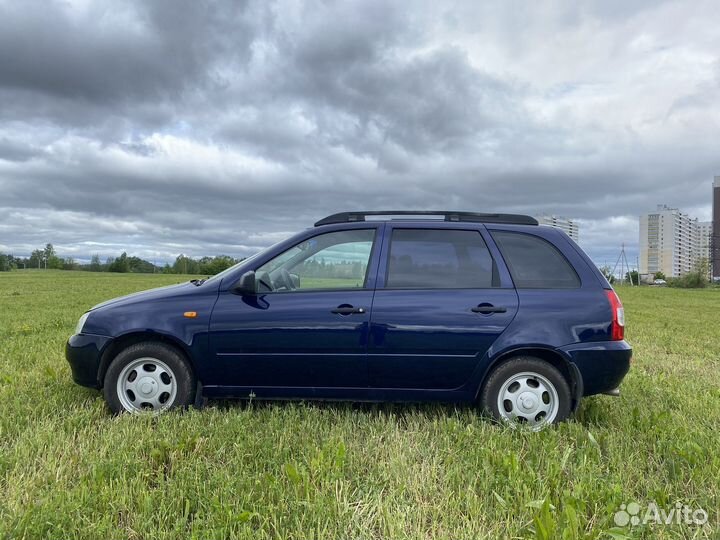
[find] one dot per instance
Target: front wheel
(527, 390)
(149, 377)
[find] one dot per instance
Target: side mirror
(246, 284)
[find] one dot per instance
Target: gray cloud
(203, 128)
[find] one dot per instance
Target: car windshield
(227, 271)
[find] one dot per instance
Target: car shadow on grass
(593, 411)
(367, 407)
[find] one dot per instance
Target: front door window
(330, 261)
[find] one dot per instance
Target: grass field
(339, 471)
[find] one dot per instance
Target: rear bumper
(83, 352)
(602, 365)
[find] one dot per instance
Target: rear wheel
(149, 377)
(528, 391)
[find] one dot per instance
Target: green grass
(325, 471)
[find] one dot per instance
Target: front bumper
(602, 364)
(83, 353)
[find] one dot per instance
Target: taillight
(617, 328)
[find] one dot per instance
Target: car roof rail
(475, 217)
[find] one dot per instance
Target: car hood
(151, 294)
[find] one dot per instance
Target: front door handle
(488, 308)
(347, 310)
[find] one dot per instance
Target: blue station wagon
(373, 306)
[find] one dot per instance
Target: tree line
(47, 258)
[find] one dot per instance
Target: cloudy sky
(208, 127)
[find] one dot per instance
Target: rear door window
(440, 259)
(535, 263)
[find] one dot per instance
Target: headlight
(81, 322)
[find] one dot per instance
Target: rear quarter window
(535, 263)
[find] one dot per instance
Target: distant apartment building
(704, 240)
(669, 242)
(715, 238)
(570, 226)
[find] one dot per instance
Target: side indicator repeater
(190, 314)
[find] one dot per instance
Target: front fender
(159, 318)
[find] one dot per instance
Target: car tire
(149, 376)
(527, 390)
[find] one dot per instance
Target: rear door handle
(347, 310)
(488, 308)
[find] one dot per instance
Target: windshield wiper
(198, 282)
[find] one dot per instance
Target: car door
(441, 301)
(307, 324)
